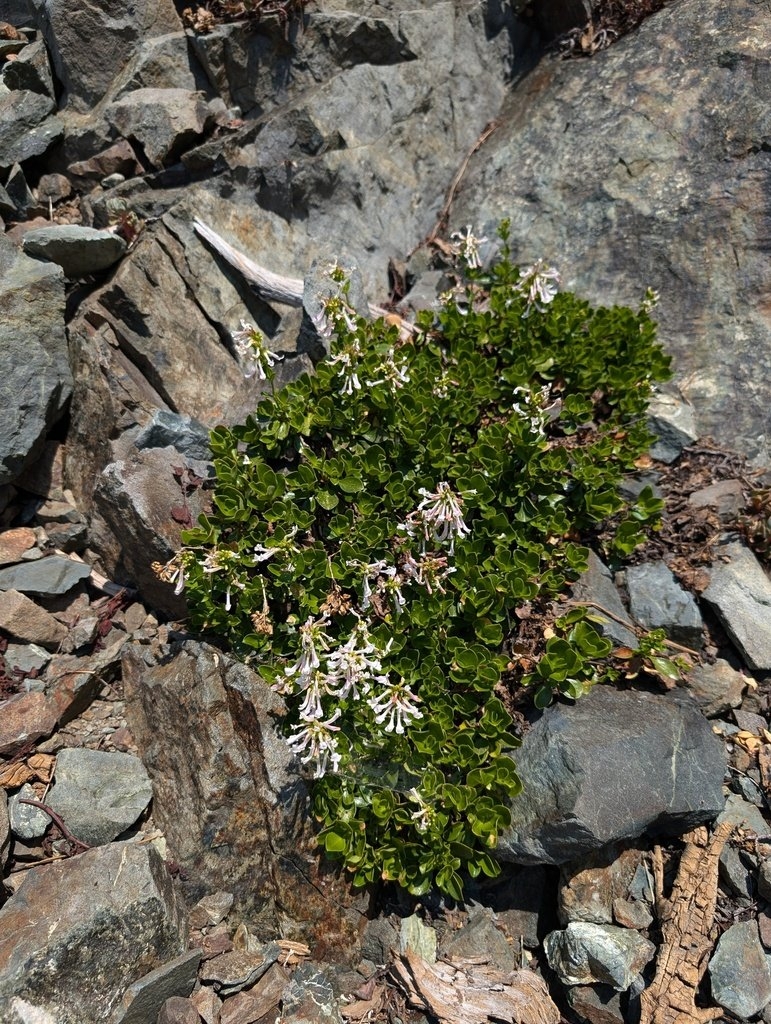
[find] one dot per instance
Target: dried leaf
(181, 515)
(14, 775)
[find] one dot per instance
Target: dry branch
(686, 918)
(460, 992)
(270, 286)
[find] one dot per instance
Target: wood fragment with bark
(462, 991)
(687, 930)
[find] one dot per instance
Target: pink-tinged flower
(395, 707)
(467, 247)
(316, 741)
(539, 284)
(439, 514)
(356, 664)
(311, 635)
(253, 351)
(390, 373)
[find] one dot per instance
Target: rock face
(611, 766)
(35, 379)
(226, 793)
(101, 920)
(740, 592)
(633, 170)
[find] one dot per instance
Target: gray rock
(739, 971)
(142, 1001)
(27, 126)
(480, 934)
(740, 592)
(743, 814)
(379, 939)
(99, 794)
(725, 496)
(30, 71)
(613, 765)
(92, 46)
(53, 188)
(169, 429)
(8, 208)
(674, 423)
(27, 822)
(599, 1004)
(591, 155)
(102, 919)
(52, 575)
(18, 191)
(584, 954)
(35, 377)
(211, 910)
(163, 121)
(78, 250)
(25, 620)
(309, 998)
(226, 792)
(417, 937)
(238, 969)
(716, 688)
(143, 504)
(5, 831)
(596, 585)
(25, 658)
(657, 601)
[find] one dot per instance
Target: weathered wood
(687, 919)
(275, 287)
(462, 992)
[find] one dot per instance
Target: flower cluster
(539, 284)
(439, 514)
(350, 671)
(467, 247)
(256, 357)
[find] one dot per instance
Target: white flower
(429, 571)
(357, 663)
(439, 513)
(424, 814)
(253, 351)
(467, 247)
(396, 707)
(316, 740)
(396, 376)
(535, 408)
(311, 708)
(540, 284)
(311, 634)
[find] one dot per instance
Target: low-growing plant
(376, 524)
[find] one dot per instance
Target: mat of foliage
(377, 524)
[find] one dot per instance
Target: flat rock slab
(614, 765)
(657, 601)
(52, 575)
(78, 932)
(739, 971)
(26, 129)
(99, 794)
(27, 621)
(77, 249)
(740, 593)
(35, 375)
(144, 999)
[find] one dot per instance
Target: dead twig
(77, 843)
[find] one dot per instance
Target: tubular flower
(440, 514)
(467, 247)
(539, 284)
(396, 376)
(355, 664)
(396, 706)
(311, 635)
(316, 741)
(254, 353)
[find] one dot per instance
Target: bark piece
(461, 991)
(687, 918)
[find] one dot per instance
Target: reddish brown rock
(13, 544)
(25, 718)
(24, 620)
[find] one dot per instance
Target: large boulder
(78, 932)
(647, 166)
(91, 44)
(614, 765)
(35, 379)
(227, 792)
